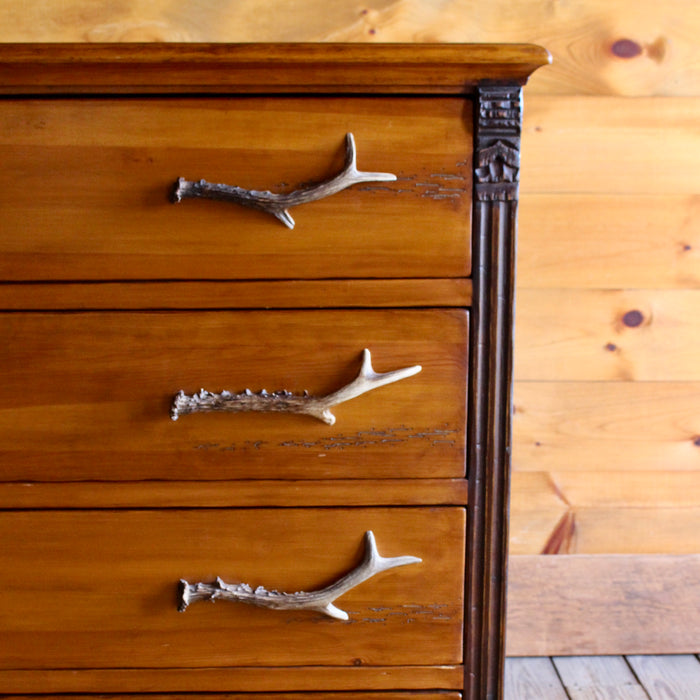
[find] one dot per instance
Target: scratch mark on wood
(437, 437)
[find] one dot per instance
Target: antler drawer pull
(278, 204)
(287, 402)
(321, 601)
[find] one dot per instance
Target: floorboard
(663, 677)
(533, 678)
(598, 678)
(674, 677)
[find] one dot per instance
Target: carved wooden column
(496, 170)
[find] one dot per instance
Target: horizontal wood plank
(605, 512)
(607, 145)
(653, 530)
(609, 241)
(590, 426)
(628, 489)
(612, 335)
(252, 294)
(217, 680)
(236, 494)
(603, 604)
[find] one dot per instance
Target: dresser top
(263, 68)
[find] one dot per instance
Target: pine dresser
(256, 309)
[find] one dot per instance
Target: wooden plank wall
(607, 424)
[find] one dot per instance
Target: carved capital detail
(497, 157)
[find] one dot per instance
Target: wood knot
(633, 318)
(626, 48)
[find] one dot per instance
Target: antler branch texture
(321, 600)
(285, 401)
(278, 204)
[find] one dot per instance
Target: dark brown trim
(496, 161)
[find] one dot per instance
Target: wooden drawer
(85, 187)
(89, 395)
(98, 589)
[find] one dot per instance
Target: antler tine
(278, 204)
(316, 406)
(321, 600)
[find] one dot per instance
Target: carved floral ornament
(498, 163)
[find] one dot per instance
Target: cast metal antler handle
(285, 401)
(321, 600)
(278, 204)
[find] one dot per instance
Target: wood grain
(629, 530)
(250, 68)
(88, 395)
(659, 55)
(603, 604)
(668, 677)
(598, 678)
(106, 594)
(605, 512)
(612, 335)
(605, 241)
(531, 679)
(605, 145)
(538, 508)
(301, 679)
(92, 181)
(426, 695)
(234, 494)
(251, 294)
(591, 426)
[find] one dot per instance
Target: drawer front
(85, 187)
(98, 589)
(89, 395)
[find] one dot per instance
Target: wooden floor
(672, 677)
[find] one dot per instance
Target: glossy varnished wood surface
(248, 493)
(87, 395)
(261, 68)
(250, 294)
(386, 695)
(90, 181)
(304, 679)
(105, 597)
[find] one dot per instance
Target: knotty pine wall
(605, 534)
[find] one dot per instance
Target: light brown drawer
(88, 395)
(85, 185)
(98, 589)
